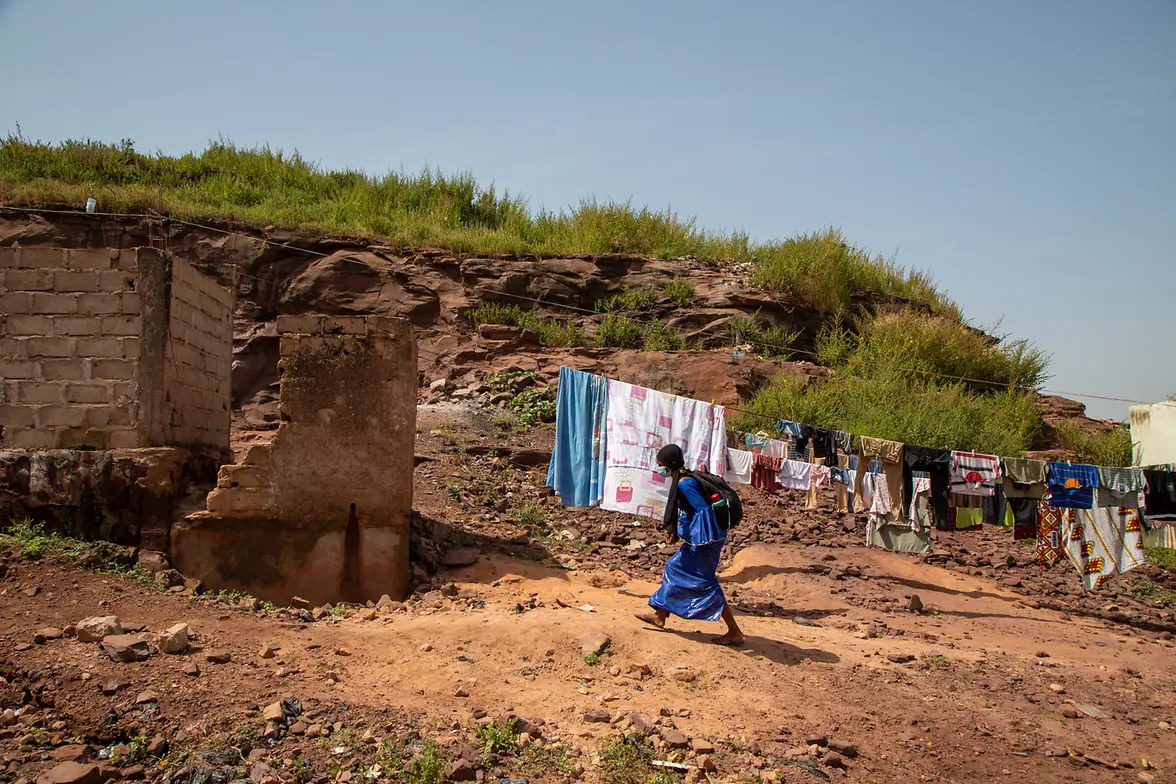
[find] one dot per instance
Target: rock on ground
(175, 639)
(126, 647)
(97, 628)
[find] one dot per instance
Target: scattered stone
(597, 716)
(114, 685)
(643, 723)
(1057, 688)
(157, 746)
(700, 746)
(268, 651)
(1145, 778)
(71, 773)
(126, 647)
(1042, 655)
(455, 559)
(900, 658)
(169, 578)
(273, 712)
(369, 615)
(833, 760)
(915, 605)
(298, 603)
(97, 628)
(42, 636)
(817, 740)
(21, 647)
(175, 639)
(460, 770)
(847, 750)
(74, 752)
(1070, 713)
(674, 739)
(595, 643)
(219, 658)
(191, 669)
(133, 772)
(153, 561)
(342, 652)
(146, 697)
(299, 728)
(706, 762)
(1091, 711)
(685, 675)
(425, 648)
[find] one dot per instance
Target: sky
(1022, 152)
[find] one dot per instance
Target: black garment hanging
(1160, 498)
(937, 464)
(824, 442)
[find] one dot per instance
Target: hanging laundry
(640, 422)
(1024, 512)
(1102, 542)
(1050, 521)
(880, 504)
(795, 475)
(919, 509)
(936, 463)
(576, 470)
(844, 442)
(1160, 498)
(755, 441)
(843, 482)
(816, 442)
(821, 475)
(973, 474)
(967, 518)
(1119, 487)
(788, 428)
(1023, 478)
(890, 453)
(995, 506)
(764, 471)
(897, 535)
(738, 467)
(1072, 485)
(761, 444)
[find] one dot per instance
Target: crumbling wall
(111, 349)
(198, 361)
(323, 510)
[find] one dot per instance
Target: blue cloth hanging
(576, 470)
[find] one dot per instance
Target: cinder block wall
(198, 364)
(89, 356)
(70, 335)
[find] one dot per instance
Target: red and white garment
(973, 474)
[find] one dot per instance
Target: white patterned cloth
(973, 474)
(640, 422)
(1102, 542)
(795, 475)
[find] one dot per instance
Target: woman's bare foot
(652, 620)
(730, 638)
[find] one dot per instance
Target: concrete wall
(323, 510)
(1153, 433)
(111, 349)
(198, 362)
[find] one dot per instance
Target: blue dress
(690, 586)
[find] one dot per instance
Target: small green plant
(735, 745)
(498, 740)
(620, 331)
(533, 405)
(552, 333)
(428, 767)
(300, 770)
(592, 659)
(512, 380)
(664, 777)
(768, 341)
(1163, 557)
(626, 760)
(542, 759)
(628, 301)
(1144, 588)
(33, 543)
(937, 662)
(530, 516)
(680, 292)
(246, 736)
(662, 337)
(1110, 448)
(834, 343)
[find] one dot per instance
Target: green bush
(834, 343)
(768, 341)
(533, 405)
(680, 293)
(620, 331)
(627, 760)
(264, 187)
(530, 516)
(552, 333)
(628, 301)
(895, 406)
(662, 337)
(1110, 448)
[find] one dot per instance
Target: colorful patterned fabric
(973, 474)
(1120, 487)
(1102, 542)
(1071, 485)
(1050, 520)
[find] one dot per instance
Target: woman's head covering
(671, 457)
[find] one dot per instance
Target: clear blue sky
(1023, 152)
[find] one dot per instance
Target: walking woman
(690, 586)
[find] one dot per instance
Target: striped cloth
(973, 474)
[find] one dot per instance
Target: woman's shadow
(755, 646)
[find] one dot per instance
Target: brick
(130, 348)
(105, 416)
(17, 416)
(88, 393)
(17, 368)
(117, 280)
(65, 281)
(131, 303)
(303, 325)
(113, 369)
(13, 348)
(121, 325)
(122, 439)
(50, 347)
(29, 280)
(60, 416)
(124, 392)
(40, 392)
(97, 259)
(16, 302)
(29, 439)
(45, 258)
(55, 303)
(77, 325)
(101, 304)
(30, 325)
(8, 257)
(62, 370)
(75, 437)
(100, 347)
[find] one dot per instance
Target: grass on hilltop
(266, 187)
